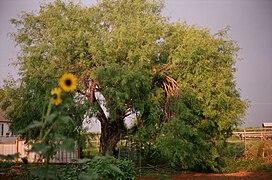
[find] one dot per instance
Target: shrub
(111, 168)
(265, 167)
(234, 149)
(6, 164)
(106, 168)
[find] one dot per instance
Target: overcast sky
(251, 27)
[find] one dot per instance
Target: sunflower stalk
(52, 116)
(48, 131)
(44, 119)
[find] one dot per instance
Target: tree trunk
(111, 133)
(111, 130)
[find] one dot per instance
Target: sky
(251, 27)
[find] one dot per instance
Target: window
(2, 129)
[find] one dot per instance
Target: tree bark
(111, 130)
(111, 133)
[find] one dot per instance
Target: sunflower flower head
(56, 96)
(68, 82)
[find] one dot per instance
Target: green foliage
(6, 164)
(150, 154)
(99, 168)
(178, 79)
(190, 140)
(2, 94)
(265, 167)
(207, 107)
(111, 168)
(44, 172)
(28, 106)
(133, 86)
(91, 146)
(236, 159)
(70, 171)
(234, 150)
(57, 129)
(242, 164)
(9, 157)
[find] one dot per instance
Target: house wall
(4, 129)
(5, 134)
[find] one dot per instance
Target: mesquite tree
(139, 61)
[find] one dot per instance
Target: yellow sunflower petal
(56, 96)
(68, 82)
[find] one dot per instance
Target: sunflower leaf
(68, 144)
(31, 126)
(116, 169)
(66, 119)
(50, 118)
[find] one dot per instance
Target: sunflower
(68, 82)
(56, 96)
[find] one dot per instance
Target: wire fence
(260, 138)
(130, 150)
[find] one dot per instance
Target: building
(267, 124)
(9, 145)
(5, 134)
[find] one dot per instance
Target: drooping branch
(170, 86)
(90, 88)
(128, 111)
(171, 89)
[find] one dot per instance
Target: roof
(2, 116)
(267, 124)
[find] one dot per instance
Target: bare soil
(205, 176)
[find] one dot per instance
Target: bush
(234, 149)
(106, 168)
(111, 168)
(6, 164)
(265, 167)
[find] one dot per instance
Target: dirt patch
(206, 176)
(238, 175)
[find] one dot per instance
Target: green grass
(248, 164)
(235, 149)
(250, 160)
(265, 167)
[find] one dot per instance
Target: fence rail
(259, 133)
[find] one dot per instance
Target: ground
(205, 176)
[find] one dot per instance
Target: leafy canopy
(178, 78)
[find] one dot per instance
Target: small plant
(100, 167)
(53, 136)
(25, 161)
(265, 167)
(70, 171)
(5, 164)
(53, 133)
(108, 168)
(234, 150)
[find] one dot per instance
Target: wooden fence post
(17, 149)
(245, 139)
